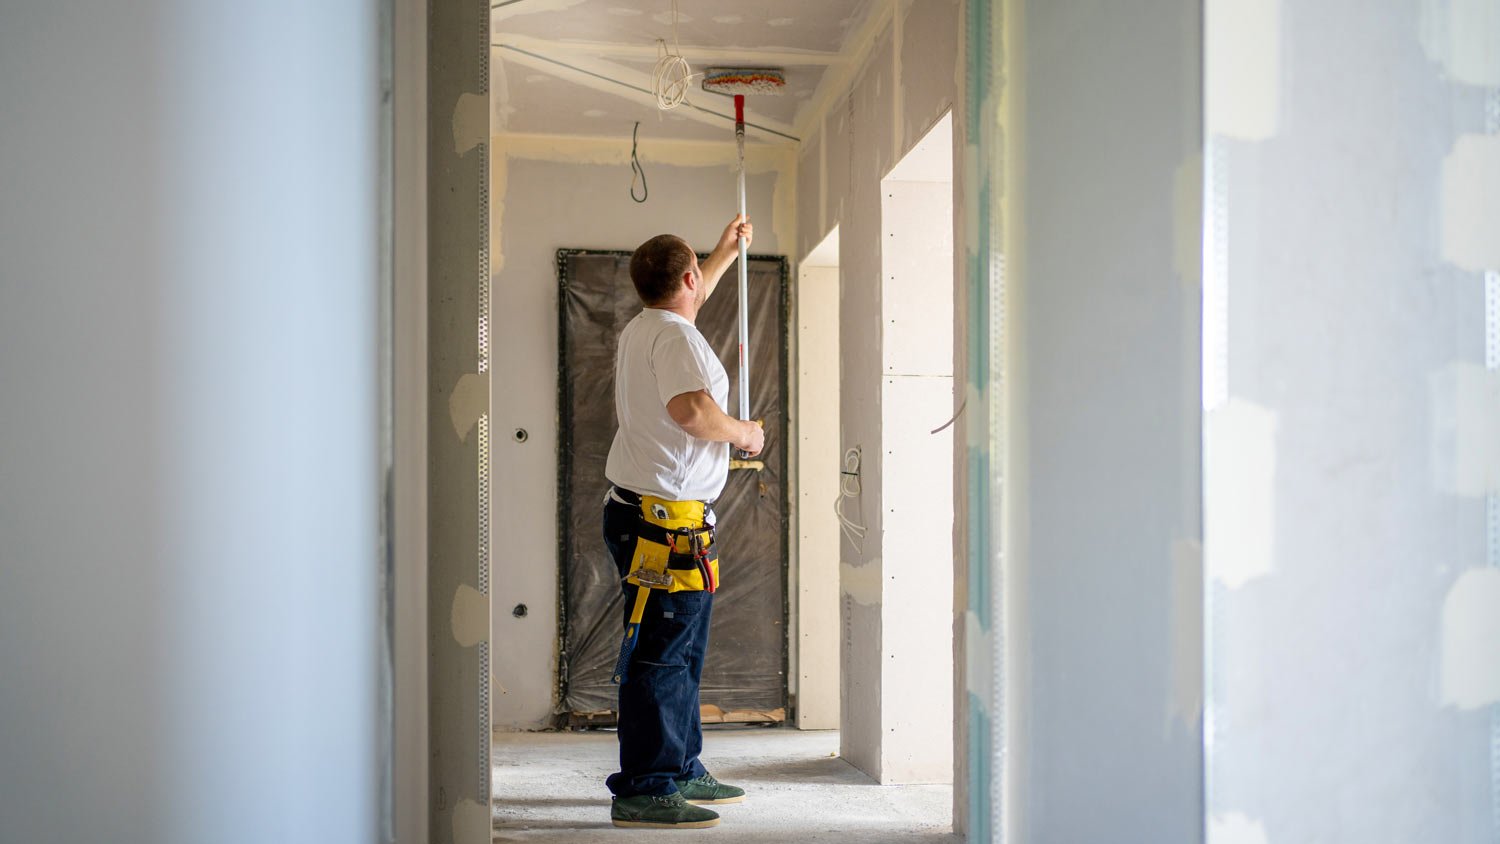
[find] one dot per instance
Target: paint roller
(739, 82)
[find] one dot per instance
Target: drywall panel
(859, 263)
(817, 427)
(917, 300)
(1103, 426)
(409, 440)
(809, 203)
(460, 433)
(190, 499)
(838, 147)
(1350, 664)
(858, 141)
(927, 71)
(575, 194)
(917, 567)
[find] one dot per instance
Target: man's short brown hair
(657, 268)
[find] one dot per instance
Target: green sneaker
(669, 811)
(706, 789)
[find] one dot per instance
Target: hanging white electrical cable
(849, 488)
(672, 77)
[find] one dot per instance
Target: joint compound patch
(1239, 527)
(469, 400)
(1242, 45)
(1471, 203)
(1470, 668)
(470, 616)
(471, 822)
(470, 121)
(1464, 443)
(1464, 37)
(979, 665)
(1235, 828)
(862, 583)
(1187, 234)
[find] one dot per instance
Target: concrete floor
(550, 787)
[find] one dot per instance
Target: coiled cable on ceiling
(672, 77)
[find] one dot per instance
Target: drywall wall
(189, 400)
(917, 464)
(460, 435)
(408, 503)
(550, 193)
(1101, 468)
(816, 646)
(1352, 348)
(906, 82)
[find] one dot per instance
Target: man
(668, 462)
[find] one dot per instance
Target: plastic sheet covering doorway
(745, 676)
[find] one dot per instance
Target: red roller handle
(739, 110)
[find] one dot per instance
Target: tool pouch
(674, 548)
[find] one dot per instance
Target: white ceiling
(583, 67)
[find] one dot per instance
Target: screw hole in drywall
(520, 435)
(519, 611)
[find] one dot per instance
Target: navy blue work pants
(660, 730)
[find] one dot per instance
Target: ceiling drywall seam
(839, 77)
(627, 83)
(717, 55)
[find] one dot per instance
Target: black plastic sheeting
(746, 664)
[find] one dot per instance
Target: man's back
(662, 355)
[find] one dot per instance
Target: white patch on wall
(470, 121)
(1239, 492)
(1243, 46)
(1471, 203)
(469, 400)
(470, 616)
(1464, 37)
(665, 18)
(1235, 828)
(1187, 207)
(861, 583)
(471, 821)
(728, 19)
(1470, 667)
(595, 112)
(781, 21)
(1465, 437)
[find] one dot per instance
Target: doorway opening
(814, 591)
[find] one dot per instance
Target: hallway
(549, 787)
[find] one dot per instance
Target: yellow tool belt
(674, 547)
(674, 551)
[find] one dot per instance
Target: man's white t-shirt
(661, 355)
